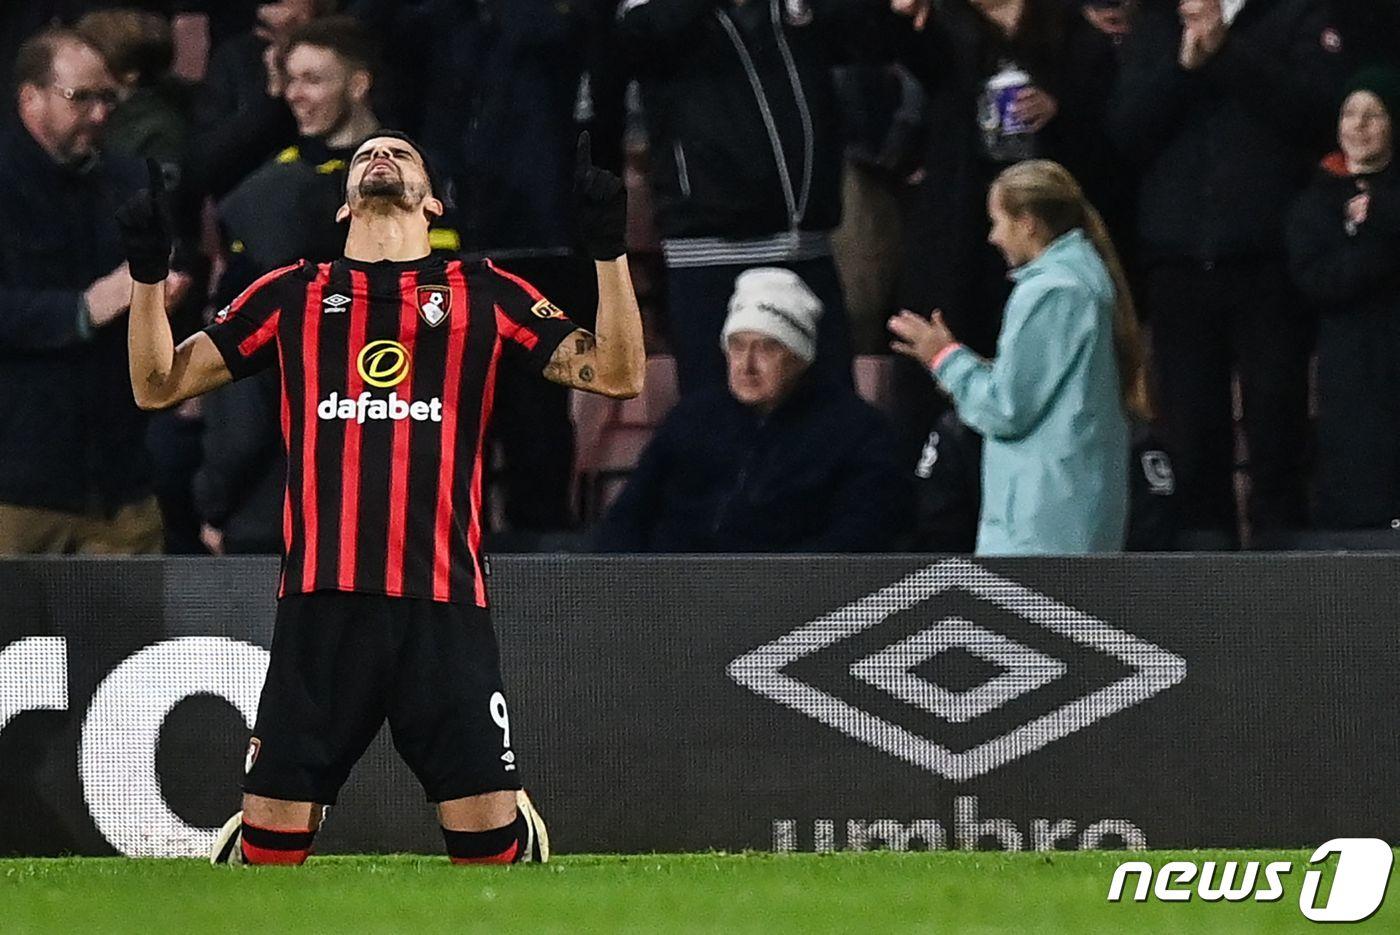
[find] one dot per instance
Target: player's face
(322, 91)
(69, 113)
(388, 171)
(762, 370)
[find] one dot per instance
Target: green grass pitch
(721, 893)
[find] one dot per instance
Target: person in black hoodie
(1344, 246)
(780, 460)
(1224, 104)
(740, 105)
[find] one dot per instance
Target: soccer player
(389, 359)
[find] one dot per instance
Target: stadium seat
(610, 434)
(874, 375)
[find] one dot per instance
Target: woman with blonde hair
(1070, 370)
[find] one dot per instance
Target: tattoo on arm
(586, 374)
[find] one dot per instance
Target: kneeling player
(389, 360)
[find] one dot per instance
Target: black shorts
(343, 663)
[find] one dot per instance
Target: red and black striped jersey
(388, 375)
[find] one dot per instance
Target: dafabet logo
(381, 364)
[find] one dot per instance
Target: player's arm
(162, 374)
(611, 360)
(238, 345)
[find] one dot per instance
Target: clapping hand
(921, 339)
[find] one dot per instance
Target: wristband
(942, 355)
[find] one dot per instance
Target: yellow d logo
(383, 363)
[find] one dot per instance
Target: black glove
(145, 227)
(600, 206)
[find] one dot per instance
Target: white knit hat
(775, 302)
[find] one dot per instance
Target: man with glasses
(76, 476)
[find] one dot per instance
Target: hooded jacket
(1056, 442)
(741, 110)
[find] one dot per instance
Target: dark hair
(437, 191)
(130, 41)
(343, 35)
(34, 60)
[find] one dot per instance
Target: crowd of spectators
(801, 171)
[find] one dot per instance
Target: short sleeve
(245, 332)
(528, 320)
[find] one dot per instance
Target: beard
(388, 189)
(383, 186)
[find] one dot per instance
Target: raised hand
(921, 339)
(146, 229)
(600, 205)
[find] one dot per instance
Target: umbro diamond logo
(334, 303)
(1022, 669)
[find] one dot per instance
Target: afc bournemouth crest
(434, 304)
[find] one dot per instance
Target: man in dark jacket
(779, 461)
(75, 476)
(282, 213)
(1225, 105)
(746, 155)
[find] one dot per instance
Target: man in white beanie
(782, 459)
(770, 337)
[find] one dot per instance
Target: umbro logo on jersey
(334, 303)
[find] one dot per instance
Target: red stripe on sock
(262, 855)
(506, 856)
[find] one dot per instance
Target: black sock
(498, 846)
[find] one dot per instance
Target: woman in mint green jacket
(1070, 369)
